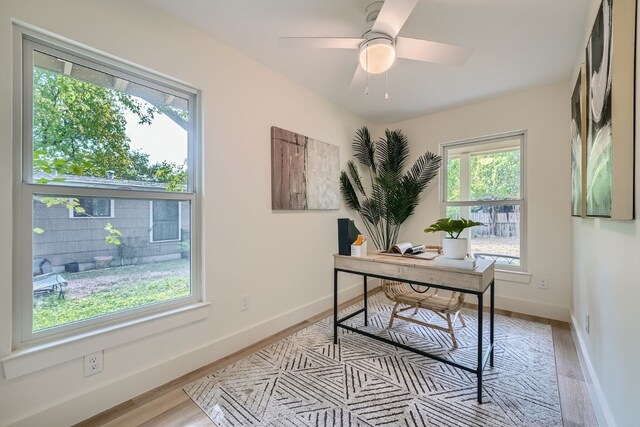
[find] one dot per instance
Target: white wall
(287, 271)
(543, 113)
(606, 284)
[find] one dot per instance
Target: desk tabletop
(481, 265)
(420, 270)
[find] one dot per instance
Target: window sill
(513, 276)
(27, 360)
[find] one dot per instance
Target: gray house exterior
(152, 231)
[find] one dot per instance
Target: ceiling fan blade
(359, 77)
(392, 16)
(428, 51)
(321, 42)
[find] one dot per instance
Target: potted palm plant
(452, 245)
(393, 192)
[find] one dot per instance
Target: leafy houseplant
(393, 193)
(453, 246)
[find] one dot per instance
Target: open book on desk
(410, 250)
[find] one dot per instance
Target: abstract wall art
(304, 172)
(578, 143)
(610, 80)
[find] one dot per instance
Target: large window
(484, 181)
(113, 145)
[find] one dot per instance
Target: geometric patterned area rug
(306, 380)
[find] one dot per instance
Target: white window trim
(24, 189)
(111, 211)
(179, 239)
(522, 201)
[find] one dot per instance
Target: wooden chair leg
(461, 319)
(393, 315)
(451, 331)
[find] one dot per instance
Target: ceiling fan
(380, 45)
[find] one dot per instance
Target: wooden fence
(502, 224)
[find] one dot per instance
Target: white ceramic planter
(454, 248)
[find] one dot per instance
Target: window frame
(151, 225)
(72, 213)
(521, 201)
(26, 40)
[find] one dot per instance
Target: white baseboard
(533, 308)
(600, 407)
(92, 402)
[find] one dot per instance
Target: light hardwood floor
(169, 405)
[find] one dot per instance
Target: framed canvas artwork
(610, 82)
(304, 172)
(578, 144)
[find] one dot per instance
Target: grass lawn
(116, 289)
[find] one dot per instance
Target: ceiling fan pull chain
(366, 89)
(386, 85)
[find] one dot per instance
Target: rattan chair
(447, 307)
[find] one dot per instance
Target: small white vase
(454, 248)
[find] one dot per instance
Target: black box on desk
(347, 234)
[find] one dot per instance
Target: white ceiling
(518, 44)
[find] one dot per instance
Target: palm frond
(399, 150)
(363, 149)
(382, 152)
(380, 193)
(423, 170)
(392, 153)
(370, 212)
(355, 176)
(348, 192)
(403, 203)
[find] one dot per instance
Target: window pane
(452, 212)
(499, 238)
(101, 207)
(484, 171)
(104, 266)
(453, 179)
(95, 129)
(166, 220)
(495, 175)
(92, 207)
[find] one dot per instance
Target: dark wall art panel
(610, 82)
(599, 120)
(578, 143)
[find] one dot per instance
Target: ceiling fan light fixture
(377, 55)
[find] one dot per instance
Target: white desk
(423, 273)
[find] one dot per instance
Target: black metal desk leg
(366, 317)
(491, 316)
(479, 371)
(335, 306)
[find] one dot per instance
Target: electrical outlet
(587, 322)
(543, 283)
(245, 302)
(93, 363)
